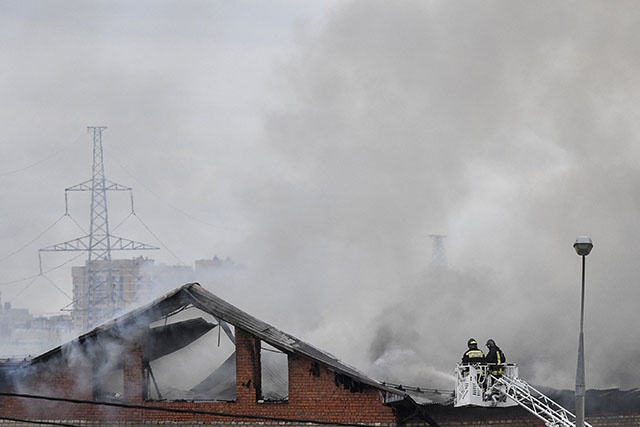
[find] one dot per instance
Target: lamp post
(583, 246)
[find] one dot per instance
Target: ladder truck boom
(477, 386)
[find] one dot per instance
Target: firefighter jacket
(495, 358)
(496, 355)
(473, 355)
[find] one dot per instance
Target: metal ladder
(534, 401)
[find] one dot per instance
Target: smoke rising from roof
(506, 125)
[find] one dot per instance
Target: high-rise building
(132, 282)
(116, 286)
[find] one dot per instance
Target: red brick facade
(314, 395)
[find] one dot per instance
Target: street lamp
(583, 246)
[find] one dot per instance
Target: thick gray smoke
(509, 126)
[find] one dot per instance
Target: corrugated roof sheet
(194, 294)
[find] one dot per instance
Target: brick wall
(314, 394)
(133, 375)
(248, 377)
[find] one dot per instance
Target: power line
(24, 288)
(159, 241)
(182, 211)
(99, 242)
(32, 165)
(11, 282)
(46, 423)
(181, 411)
(33, 279)
(41, 274)
(76, 223)
(33, 240)
(59, 265)
(57, 287)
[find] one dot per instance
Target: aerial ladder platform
(477, 386)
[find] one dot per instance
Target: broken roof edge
(279, 339)
(196, 295)
(151, 311)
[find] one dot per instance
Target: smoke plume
(507, 126)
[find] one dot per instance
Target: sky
(319, 144)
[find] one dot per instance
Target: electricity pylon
(438, 254)
(101, 297)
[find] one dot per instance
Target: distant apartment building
(119, 285)
(23, 334)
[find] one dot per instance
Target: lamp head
(583, 245)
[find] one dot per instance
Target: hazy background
(319, 143)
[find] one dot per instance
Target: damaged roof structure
(122, 367)
(190, 357)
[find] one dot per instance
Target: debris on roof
(175, 336)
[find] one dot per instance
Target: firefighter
(495, 358)
(473, 354)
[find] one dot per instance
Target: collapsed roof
(183, 333)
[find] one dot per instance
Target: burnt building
(190, 357)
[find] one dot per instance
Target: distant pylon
(438, 253)
(101, 289)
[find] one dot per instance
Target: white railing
(535, 402)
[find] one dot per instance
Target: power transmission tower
(99, 297)
(438, 253)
